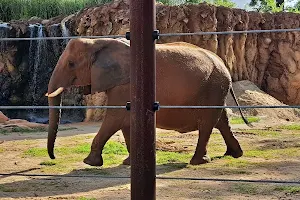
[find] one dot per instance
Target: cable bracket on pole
(156, 106)
(155, 35)
(127, 35)
(128, 106)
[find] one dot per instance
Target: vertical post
(142, 78)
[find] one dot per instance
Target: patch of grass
(36, 152)
(23, 130)
(110, 160)
(239, 120)
(66, 128)
(111, 147)
(86, 198)
(288, 189)
(274, 153)
(6, 189)
(251, 189)
(172, 157)
(82, 149)
(4, 132)
(228, 162)
(246, 188)
(2, 150)
(68, 157)
(260, 132)
(30, 130)
(292, 127)
(114, 148)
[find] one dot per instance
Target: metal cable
(59, 107)
(62, 38)
(64, 176)
(157, 177)
(228, 180)
(204, 107)
(228, 32)
(160, 35)
(160, 107)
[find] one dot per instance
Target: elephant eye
(71, 64)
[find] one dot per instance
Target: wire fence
(62, 38)
(59, 107)
(160, 106)
(157, 177)
(160, 34)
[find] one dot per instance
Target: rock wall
(26, 67)
(270, 60)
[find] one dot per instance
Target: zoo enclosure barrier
(156, 105)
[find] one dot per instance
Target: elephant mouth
(87, 89)
(74, 81)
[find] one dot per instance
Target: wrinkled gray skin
(186, 75)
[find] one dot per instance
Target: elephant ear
(111, 67)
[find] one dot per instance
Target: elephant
(186, 75)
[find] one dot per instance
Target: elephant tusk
(55, 93)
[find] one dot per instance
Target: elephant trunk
(54, 118)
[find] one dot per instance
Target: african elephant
(186, 75)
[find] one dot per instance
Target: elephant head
(99, 63)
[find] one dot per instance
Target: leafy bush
(226, 3)
(24, 9)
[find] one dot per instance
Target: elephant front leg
(233, 147)
(107, 129)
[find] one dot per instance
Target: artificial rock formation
(270, 60)
(248, 94)
(26, 66)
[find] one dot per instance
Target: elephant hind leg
(205, 127)
(233, 147)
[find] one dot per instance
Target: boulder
(97, 99)
(248, 94)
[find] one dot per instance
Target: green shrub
(24, 9)
(225, 3)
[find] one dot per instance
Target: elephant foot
(126, 161)
(234, 153)
(199, 161)
(93, 160)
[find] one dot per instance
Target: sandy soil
(32, 187)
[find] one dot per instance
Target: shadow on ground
(92, 179)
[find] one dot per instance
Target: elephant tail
(243, 117)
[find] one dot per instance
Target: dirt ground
(245, 168)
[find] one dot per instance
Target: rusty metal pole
(142, 78)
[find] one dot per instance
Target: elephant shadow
(77, 181)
